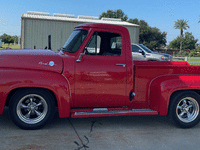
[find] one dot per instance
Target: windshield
(75, 40)
(145, 48)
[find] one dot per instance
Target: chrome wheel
(187, 109)
(32, 109)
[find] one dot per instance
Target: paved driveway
(109, 133)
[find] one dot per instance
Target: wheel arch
(175, 93)
(13, 91)
(61, 98)
(166, 88)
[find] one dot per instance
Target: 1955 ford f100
(93, 75)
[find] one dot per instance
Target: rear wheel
(185, 108)
(31, 108)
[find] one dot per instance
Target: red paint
(96, 81)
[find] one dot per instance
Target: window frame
(96, 33)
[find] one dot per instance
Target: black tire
(184, 109)
(31, 108)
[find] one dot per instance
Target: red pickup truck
(93, 75)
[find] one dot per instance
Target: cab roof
(99, 25)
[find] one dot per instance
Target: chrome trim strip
(100, 109)
(124, 65)
(105, 111)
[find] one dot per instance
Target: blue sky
(157, 13)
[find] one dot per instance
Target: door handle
(124, 65)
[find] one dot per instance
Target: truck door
(100, 75)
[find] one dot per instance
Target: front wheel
(31, 108)
(184, 109)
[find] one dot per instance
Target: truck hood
(31, 59)
(158, 56)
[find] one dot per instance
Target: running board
(104, 112)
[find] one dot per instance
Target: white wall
(34, 32)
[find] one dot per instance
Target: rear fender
(162, 87)
(12, 79)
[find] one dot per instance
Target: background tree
(175, 44)
(182, 25)
(151, 37)
(15, 39)
(134, 21)
(8, 38)
(114, 14)
(188, 42)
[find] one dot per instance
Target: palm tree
(182, 25)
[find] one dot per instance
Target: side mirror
(114, 45)
(142, 52)
(81, 55)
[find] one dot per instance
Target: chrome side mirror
(81, 55)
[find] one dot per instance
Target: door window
(104, 43)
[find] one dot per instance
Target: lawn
(11, 46)
(191, 61)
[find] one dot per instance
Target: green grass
(177, 59)
(192, 59)
(189, 59)
(194, 63)
(12, 46)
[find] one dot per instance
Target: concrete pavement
(108, 133)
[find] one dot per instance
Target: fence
(172, 52)
(190, 60)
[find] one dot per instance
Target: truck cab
(101, 62)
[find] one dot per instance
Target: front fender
(11, 79)
(162, 87)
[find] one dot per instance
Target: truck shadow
(109, 123)
(120, 122)
(91, 130)
(5, 121)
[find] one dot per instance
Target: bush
(197, 48)
(183, 53)
(194, 53)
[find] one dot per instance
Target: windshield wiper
(61, 49)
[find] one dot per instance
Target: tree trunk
(181, 39)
